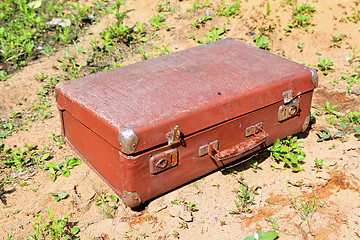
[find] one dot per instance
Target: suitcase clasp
(174, 136)
(163, 161)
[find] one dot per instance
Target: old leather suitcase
(152, 126)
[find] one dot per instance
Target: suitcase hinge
(174, 136)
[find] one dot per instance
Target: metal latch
(205, 149)
(289, 110)
(163, 161)
(253, 129)
(291, 106)
(174, 135)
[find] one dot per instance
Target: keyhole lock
(292, 110)
(161, 163)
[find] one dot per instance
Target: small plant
(190, 206)
(157, 21)
(107, 203)
(337, 40)
(229, 10)
(260, 235)
(302, 15)
(213, 35)
(355, 17)
(255, 166)
(59, 196)
(331, 109)
(54, 229)
(176, 234)
(57, 138)
(197, 22)
(325, 65)
(300, 47)
(289, 152)
(198, 5)
(164, 50)
(63, 168)
(305, 208)
(183, 225)
(246, 197)
(275, 225)
(262, 42)
(354, 55)
(19, 159)
(325, 134)
(4, 76)
(319, 164)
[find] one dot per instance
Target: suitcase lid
(150, 103)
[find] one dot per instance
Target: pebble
(181, 212)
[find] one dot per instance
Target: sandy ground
(337, 185)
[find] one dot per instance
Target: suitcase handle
(240, 148)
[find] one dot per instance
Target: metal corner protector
(128, 140)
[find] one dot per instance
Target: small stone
(181, 212)
(59, 22)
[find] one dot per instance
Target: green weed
(324, 134)
(289, 152)
(300, 17)
(157, 21)
(325, 65)
(261, 235)
(228, 10)
(319, 163)
(57, 138)
(255, 166)
(54, 229)
(354, 55)
(262, 42)
(213, 35)
(56, 169)
(302, 14)
(355, 17)
(197, 5)
(305, 208)
(59, 196)
(337, 40)
(197, 22)
(19, 159)
(288, 2)
(190, 206)
(351, 78)
(246, 197)
(300, 46)
(4, 76)
(107, 203)
(117, 31)
(25, 27)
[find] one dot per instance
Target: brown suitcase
(152, 126)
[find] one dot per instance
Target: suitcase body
(152, 126)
